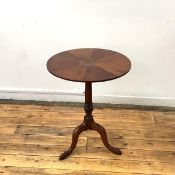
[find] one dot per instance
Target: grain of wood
(32, 137)
(40, 139)
(109, 125)
(82, 151)
(65, 131)
(45, 171)
(89, 164)
(113, 133)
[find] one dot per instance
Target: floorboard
(32, 137)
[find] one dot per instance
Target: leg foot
(100, 129)
(64, 155)
(77, 131)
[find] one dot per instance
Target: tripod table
(88, 65)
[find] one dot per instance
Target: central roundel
(89, 65)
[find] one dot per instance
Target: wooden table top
(88, 65)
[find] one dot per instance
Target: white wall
(32, 31)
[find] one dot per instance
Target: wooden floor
(32, 137)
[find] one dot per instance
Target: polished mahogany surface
(88, 65)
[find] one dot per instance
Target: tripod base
(89, 123)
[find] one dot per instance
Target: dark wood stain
(89, 124)
(89, 65)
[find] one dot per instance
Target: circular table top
(88, 65)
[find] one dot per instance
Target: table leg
(101, 130)
(77, 131)
(88, 123)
